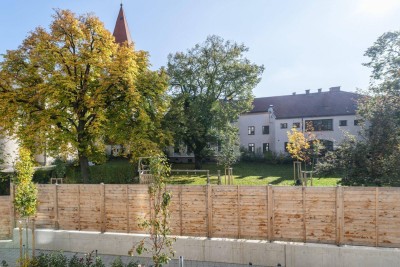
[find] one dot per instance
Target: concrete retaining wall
(222, 250)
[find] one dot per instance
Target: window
(265, 147)
(284, 125)
(251, 130)
(319, 125)
(357, 122)
(251, 148)
(265, 130)
(327, 144)
(343, 123)
(296, 125)
(285, 148)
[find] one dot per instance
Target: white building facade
(331, 114)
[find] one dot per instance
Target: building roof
(321, 104)
(121, 30)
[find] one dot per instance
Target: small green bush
(58, 259)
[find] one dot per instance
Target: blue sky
(302, 44)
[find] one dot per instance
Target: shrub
(248, 156)
(58, 259)
(271, 157)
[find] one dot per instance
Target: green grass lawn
(247, 173)
(120, 171)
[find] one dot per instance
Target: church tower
(121, 30)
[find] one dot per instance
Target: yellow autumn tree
(303, 147)
(297, 145)
(71, 89)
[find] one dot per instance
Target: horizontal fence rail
(366, 216)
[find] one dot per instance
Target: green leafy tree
(72, 89)
(159, 244)
(211, 85)
(229, 153)
(374, 159)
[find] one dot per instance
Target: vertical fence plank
(79, 207)
(127, 209)
(270, 208)
(12, 209)
(209, 210)
(103, 208)
(180, 211)
(238, 211)
(14, 214)
(57, 222)
(339, 215)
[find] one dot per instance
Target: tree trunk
(198, 162)
(84, 165)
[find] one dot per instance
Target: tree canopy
(374, 159)
(211, 84)
(72, 88)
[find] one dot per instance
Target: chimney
(334, 89)
(307, 91)
(294, 93)
(271, 109)
(319, 90)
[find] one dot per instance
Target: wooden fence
(5, 217)
(333, 215)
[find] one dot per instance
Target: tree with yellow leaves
(72, 88)
(297, 145)
(303, 147)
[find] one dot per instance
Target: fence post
(208, 177)
(180, 211)
(339, 215)
(270, 207)
(238, 211)
(209, 211)
(103, 208)
(127, 209)
(79, 207)
(57, 223)
(12, 210)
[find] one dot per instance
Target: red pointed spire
(121, 30)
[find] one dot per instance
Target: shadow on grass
(280, 180)
(181, 181)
